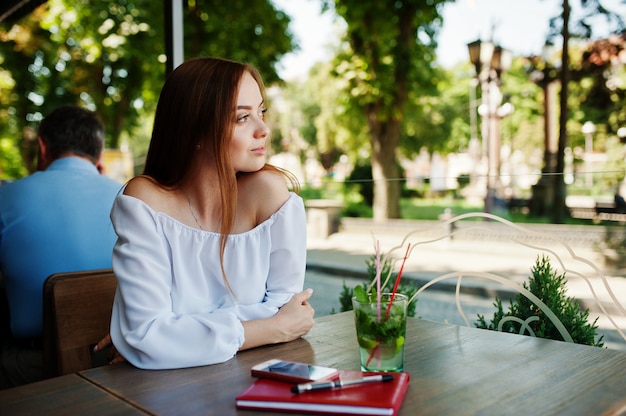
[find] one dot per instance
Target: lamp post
(490, 61)
(546, 75)
(588, 129)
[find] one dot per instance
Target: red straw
(393, 295)
(374, 351)
(395, 286)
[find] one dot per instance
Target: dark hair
(193, 123)
(72, 129)
(196, 112)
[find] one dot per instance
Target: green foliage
(308, 192)
(385, 59)
(109, 56)
(405, 287)
(345, 298)
(549, 287)
(388, 329)
(338, 125)
(102, 55)
(248, 31)
(361, 179)
(10, 161)
(357, 209)
(612, 175)
(436, 117)
(431, 209)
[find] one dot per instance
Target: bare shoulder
(266, 190)
(149, 191)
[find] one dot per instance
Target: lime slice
(366, 343)
(399, 343)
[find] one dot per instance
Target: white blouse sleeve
(287, 261)
(144, 328)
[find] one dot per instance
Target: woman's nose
(262, 129)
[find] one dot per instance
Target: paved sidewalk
(344, 254)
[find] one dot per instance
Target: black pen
(324, 385)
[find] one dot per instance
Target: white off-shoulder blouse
(172, 308)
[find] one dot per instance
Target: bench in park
(323, 217)
(597, 211)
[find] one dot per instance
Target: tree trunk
(384, 138)
(559, 209)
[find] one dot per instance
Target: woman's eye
(242, 118)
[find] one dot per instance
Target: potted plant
(549, 287)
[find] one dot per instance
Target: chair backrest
(77, 314)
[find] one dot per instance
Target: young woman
(211, 249)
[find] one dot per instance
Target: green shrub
(549, 287)
(361, 179)
(357, 210)
(308, 192)
(405, 287)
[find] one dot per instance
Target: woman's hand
(295, 318)
(115, 356)
(292, 321)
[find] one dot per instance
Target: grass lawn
(431, 208)
(416, 208)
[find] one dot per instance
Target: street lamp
(588, 129)
(490, 61)
(546, 75)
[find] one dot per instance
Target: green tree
(103, 55)
(437, 117)
(388, 54)
(340, 127)
(431, 112)
(249, 31)
(110, 55)
(581, 28)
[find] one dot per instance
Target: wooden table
(66, 395)
(454, 370)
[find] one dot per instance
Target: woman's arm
(267, 191)
(292, 321)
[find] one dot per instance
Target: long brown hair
(196, 113)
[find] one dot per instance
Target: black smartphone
(292, 371)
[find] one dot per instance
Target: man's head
(70, 131)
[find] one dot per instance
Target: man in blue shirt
(55, 220)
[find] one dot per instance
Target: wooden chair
(76, 315)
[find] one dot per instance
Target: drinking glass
(380, 331)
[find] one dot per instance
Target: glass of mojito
(381, 330)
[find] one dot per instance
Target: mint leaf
(360, 294)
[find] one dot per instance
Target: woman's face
(247, 149)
